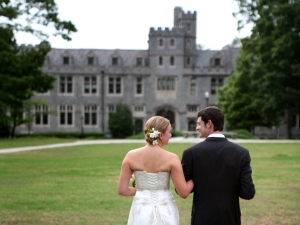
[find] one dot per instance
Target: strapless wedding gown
(153, 203)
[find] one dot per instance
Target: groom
(220, 170)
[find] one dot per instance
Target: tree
(20, 66)
(236, 42)
(240, 100)
(200, 46)
(272, 54)
(120, 123)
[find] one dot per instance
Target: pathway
(122, 141)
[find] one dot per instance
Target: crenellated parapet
(180, 15)
(189, 15)
(159, 32)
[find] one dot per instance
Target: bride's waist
(153, 194)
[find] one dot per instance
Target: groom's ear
(210, 124)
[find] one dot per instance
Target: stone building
(170, 78)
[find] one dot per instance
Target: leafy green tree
(270, 58)
(20, 66)
(236, 42)
(240, 100)
(200, 46)
(120, 123)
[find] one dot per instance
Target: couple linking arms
(217, 171)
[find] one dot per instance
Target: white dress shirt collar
(216, 135)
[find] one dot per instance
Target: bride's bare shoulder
(173, 157)
(135, 151)
(171, 154)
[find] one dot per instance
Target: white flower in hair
(153, 133)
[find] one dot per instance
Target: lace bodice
(152, 181)
(153, 203)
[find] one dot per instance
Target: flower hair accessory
(154, 134)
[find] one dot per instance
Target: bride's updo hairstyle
(159, 123)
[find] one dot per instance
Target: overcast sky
(125, 24)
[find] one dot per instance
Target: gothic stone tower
(171, 51)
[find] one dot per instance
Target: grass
(32, 141)
(78, 185)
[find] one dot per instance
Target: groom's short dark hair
(214, 114)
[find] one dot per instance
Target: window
(66, 60)
(160, 60)
(139, 61)
(111, 109)
(66, 84)
(166, 83)
(192, 125)
(215, 84)
(188, 61)
(172, 61)
(138, 126)
(193, 86)
(188, 43)
(217, 62)
(66, 115)
(90, 85)
(220, 82)
(192, 108)
(172, 42)
(90, 115)
(139, 85)
(138, 108)
(90, 60)
(161, 42)
(188, 26)
(41, 117)
(114, 85)
(114, 61)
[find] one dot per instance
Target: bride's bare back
(152, 158)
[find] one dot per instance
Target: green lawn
(78, 185)
(32, 141)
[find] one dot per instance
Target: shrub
(120, 123)
(244, 134)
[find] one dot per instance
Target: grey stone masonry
(169, 78)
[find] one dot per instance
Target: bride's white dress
(153, 203)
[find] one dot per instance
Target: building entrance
(167, 114)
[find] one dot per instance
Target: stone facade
(170, 78)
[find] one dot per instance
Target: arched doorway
(138, 126)
(170, 115)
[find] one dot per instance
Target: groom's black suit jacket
(221, 173)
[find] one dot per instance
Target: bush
(137, 136)
(176, 133)
(120, 123)
(243, 134)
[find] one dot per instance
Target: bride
(151, 166)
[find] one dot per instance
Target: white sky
(125, 24)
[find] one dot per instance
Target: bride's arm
(183, 188)
(124, 179)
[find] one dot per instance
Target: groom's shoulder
(194, 147)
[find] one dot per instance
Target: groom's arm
(187, 165)
(246, 185)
